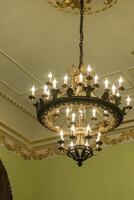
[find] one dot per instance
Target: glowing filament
(94, 112)
(128, 101)
(120, 81)
(33, 90)
(96, 79)
(98, 137)
(67, 112)
(80, 78)
(45, 89)
(89, 69)
(61, 135)
(87, 143)
(81, 113)
(114, 89)
(65, 79)
(73, 129)
(71, 144)
(48, 94)
(73, 117)
(50, 76)
(106, 83)
(54, 83)
(117, 94)
(88, 129)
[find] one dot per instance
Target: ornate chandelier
(76, 110)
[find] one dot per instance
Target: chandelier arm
(81, 33)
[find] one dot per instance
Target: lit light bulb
(128, 101)
(61, 135)
(88, 129)
(50, 76)
(81, 113)
(54, 83)
(67, 112)
(120, 81)
(105, 111)
(65, 79)
(80, 78)
(71, 144)
(89, 70)
(106, 83)
(117, 94)
(33, 90)
(96, 79)
(45, 89)
(113, 89)
(73, 117)
(48, 94)
(73, 129)
(57, 111)
(87, 143)
(98, 137)
(94, 112)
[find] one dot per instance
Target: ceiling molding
(28, 152)
(13, 134)
(19, 66)
(16, 104)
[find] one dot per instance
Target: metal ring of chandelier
(46, 111)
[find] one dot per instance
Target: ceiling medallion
(79, 109)
(90, 6)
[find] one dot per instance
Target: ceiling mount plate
(90, 6)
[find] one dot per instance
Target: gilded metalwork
(90, 6)
(50, 151)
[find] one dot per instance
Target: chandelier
(77, 111)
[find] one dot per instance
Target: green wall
(107, 176)
(18, 173)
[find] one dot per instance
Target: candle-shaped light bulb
(65, 79)
(98, 137)
(120, 81)
(33, 90)
(61, 135)
(67, 112)
(96, 79)
(48, 94)
(73, 129)
(73, 117)
(117, 94)
(87, 143)
(80, 78)
(50, 76)
(54, 83)
(113, 89)
(81, 113)
(89, 70)
(45, 89)
(99, 134)
(94, 112)
(88, 129)
(106, 83)
(71, 144)
(128, 101)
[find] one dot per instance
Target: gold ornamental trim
(16, 104)
(28, 152)
(90, 6)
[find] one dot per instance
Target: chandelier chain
(81, 33)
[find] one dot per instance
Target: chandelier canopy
(77, 111)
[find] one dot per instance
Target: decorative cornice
(51, 150)
(16, 104)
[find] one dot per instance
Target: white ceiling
(35, 37)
